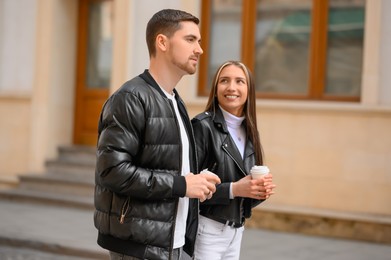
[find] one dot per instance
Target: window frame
(317, 51)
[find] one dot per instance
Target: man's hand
(201, 186)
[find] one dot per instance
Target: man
(146, 196)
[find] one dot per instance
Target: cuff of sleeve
(179, 187)
(231, 195)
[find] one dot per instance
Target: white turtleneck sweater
(235, 129)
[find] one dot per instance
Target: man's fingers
(211, 177)
(211, 187)
(206, 195)
(209, 195)
(201, 186)
(211, 181)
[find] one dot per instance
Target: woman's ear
(161, 42)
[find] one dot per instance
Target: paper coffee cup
(258, 171)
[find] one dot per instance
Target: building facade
(325, 153)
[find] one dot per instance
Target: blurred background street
(42, 232)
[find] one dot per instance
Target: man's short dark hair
(166, 22)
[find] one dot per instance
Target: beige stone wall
(34, 124)
(14, 135)
(326, 156)
(330, 158)
(53, 97)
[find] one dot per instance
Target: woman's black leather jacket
(218, 153)
(138, 172)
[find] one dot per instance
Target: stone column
(54, 83)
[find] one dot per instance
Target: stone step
(68, 180)
(75, 159)
(8, 182)
(77, 184)
(70, 167)
(311, 221)
(78, 154)
(48, 198)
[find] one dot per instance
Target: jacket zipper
(189, 127)
(241, 199)
(124, 210)
(233, 158)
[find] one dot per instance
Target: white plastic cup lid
(260, 169)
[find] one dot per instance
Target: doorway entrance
(94, 62)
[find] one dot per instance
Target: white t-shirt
(183, 206)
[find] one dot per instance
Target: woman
(228, 145)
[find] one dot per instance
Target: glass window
(225, 33)
(282, 46)
(345, 47)
(100, 44)
(297, 49)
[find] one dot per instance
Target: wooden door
(94, 60)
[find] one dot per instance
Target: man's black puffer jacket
(138, 172)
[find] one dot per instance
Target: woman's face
(232, 90)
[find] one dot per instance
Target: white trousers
(217, 241)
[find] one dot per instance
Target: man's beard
(186, 67)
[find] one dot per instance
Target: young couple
(152, 199)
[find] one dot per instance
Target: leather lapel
(230, 148)
(228, 145)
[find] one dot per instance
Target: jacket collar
(229, 145)
(147, 77)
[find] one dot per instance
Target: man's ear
(161, 42)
